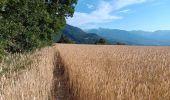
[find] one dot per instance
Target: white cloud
(103, 14)
(93, 18)
(118, 4)
(124, 11)
(90, 6)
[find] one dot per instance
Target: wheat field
(89, 72)
(118, 72)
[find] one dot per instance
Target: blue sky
(147, 15)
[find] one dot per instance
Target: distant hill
(79, 36)
(114, 36)
(156, 38)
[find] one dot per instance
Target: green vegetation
(120, 43)
(15, 63)
(29, 24)
(65, 39)
(101, 41)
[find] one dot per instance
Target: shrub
(101, 41)
(65, 39)
(120, 43)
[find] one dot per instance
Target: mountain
(161, 36)
(113, 36)
(156, 38)
(79, 36)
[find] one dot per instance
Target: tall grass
(14, 63)
(27, 76)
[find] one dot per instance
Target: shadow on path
(61, 89)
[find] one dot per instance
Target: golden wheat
(118, 72)
(87, 72)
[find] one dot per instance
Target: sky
(147, 15)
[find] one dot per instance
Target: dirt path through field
(62, 89)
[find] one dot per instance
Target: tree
(29, 24)
(120, 43)
(65, 39)
(101, 41)
(2, 2)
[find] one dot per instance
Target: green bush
(29, 24)
(65, 39)
(120, 43)
(101, 41)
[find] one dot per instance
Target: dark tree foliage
(29, 24)
(120, 43)
(65, 39)
(101, 41)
